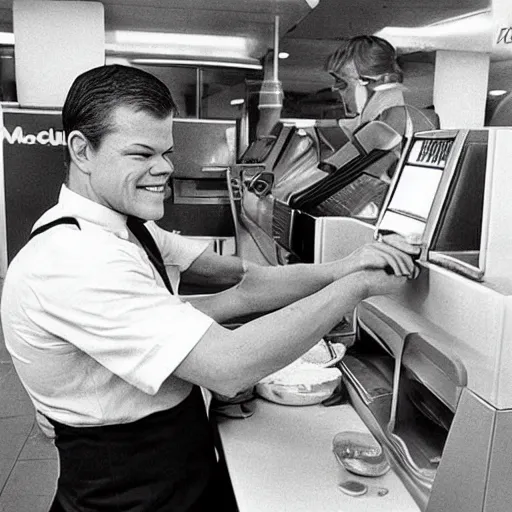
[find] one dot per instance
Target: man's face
(129, 170)
(348, 85)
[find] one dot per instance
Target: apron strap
(140, 232)
(62, 220)
(146, 240)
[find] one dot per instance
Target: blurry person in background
(369, 80)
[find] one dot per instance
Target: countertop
(280, 459)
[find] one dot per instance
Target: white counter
(280, 459)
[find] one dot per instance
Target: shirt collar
(79, 206)
(382, 100)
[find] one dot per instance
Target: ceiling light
(283, 55)
(237, 101)
(195, 62)
(497, 92)
(184, 40)
(191, 46)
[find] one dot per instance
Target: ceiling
(328, 21)
(309, 35)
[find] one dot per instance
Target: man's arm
(228, 361)
(263, 289)
(212, 269)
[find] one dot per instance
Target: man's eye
(141, 155)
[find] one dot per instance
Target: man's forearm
(266, 344)
(312, 277)
(264, 289)
(306, 319)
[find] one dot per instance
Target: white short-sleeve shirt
(93, 332)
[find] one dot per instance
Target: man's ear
(79, 150)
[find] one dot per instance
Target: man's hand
(379, 282)
(392, 253)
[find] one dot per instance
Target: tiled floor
(28, 459)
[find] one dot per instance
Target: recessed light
(497, 92)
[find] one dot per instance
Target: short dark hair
(371, 55)
(95, 94)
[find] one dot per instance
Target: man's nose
(163, 166)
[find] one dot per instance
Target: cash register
(430, 371)
(305, 187)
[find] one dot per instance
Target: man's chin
(150, 214)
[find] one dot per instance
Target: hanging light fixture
(271, 92)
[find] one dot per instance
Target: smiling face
(128, 171)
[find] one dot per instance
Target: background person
(369, 80)
(105, 347)
(368, 77)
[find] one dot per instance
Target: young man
(106, 349)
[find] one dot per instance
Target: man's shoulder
(73, 248)
(422, 119)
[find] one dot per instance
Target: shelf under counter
(280, 459)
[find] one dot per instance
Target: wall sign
(18, 136)
(33, 170)
(502, 25)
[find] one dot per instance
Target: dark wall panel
(34, 171)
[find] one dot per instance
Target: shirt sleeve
(176, 249)
(108, 305)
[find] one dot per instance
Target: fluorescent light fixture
(237, 101)
(497, 92)
(283, 55)
(6, 38)
(173, 45)
(195, 62)
(184, 40)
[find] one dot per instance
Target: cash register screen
(417, 184)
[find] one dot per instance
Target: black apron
(164, 462)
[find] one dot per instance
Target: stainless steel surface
(189, 191)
